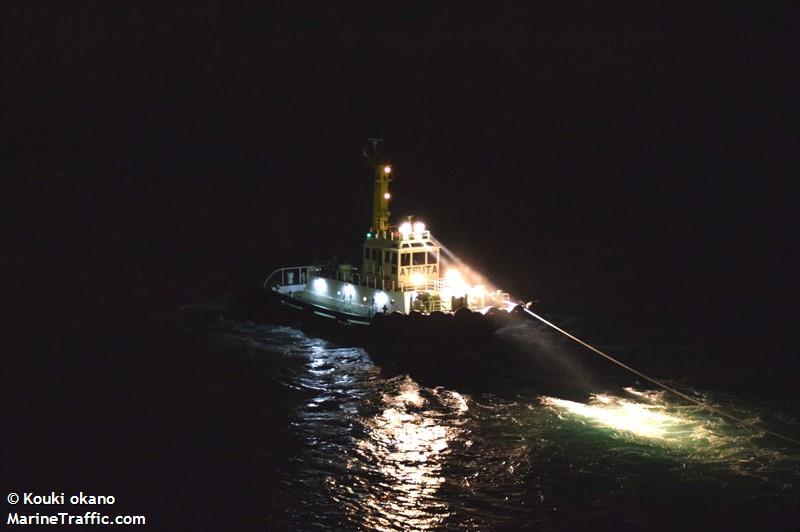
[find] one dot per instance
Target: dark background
(629, 162)
(602, 159)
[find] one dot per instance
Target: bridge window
(375, 254)
(366, 253)
(394, 257)
(419, 258)
(405, 259)
(433, 257)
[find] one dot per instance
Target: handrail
(368, 281)
(281, 270)
(430, 284)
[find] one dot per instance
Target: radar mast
(380, 197)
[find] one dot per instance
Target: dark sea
(380, 451)
(216, 421)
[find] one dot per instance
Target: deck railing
(290, 275)
(394, 234)
(298, 275)
(369, 281)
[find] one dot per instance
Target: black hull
(467, 350)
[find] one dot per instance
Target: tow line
(661, 384)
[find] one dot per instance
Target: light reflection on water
(385, 453)
(407, 445)
(384, 441)
(647, 420)
(684, 432)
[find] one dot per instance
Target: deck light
(381, 299)
(320, 285)
(417, 278)
(419, 227)
(453, 275)
(405, 228)
(455, 282)
(349, 290)
(387, 196)
(387, 169)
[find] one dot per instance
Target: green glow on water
(651, 419)
(651, 427)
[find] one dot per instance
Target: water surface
(383, 452)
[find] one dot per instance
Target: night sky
(603, 159)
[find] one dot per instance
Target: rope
(662, 385)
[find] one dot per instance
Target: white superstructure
(402, 270)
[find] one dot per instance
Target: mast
(380, 196)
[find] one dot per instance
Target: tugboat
(401, 274)
(416, 307)
(411, 303)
